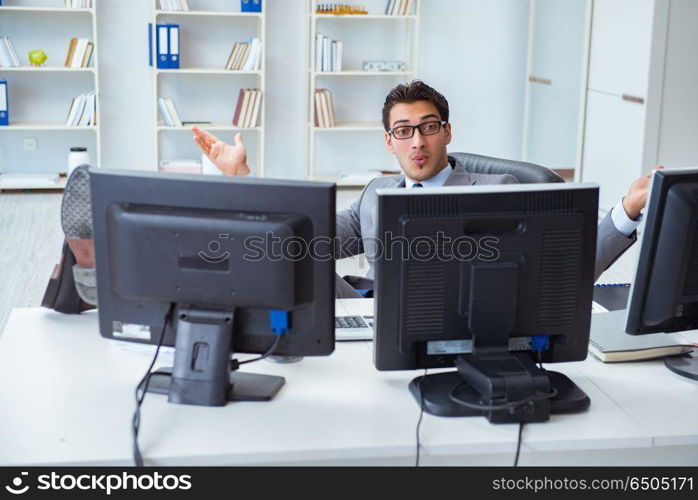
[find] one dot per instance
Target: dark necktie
(417, 185)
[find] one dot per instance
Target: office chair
(526, 173)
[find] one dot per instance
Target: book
(329, 108)
(5, 56)
(233, 54)
(164, 112)
(173, 35)
(609, 343)
(4, 104)
(253, 55)
(88, 55)
(325, 107)
(71, 51)
(79, 53)
(245, 108)
(172, 110)
(238, 107)
(242, 56)
(254, 115)
(12, 52)
(77, 108)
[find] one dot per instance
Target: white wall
(471, 50)
(678, 137)
(474, 52)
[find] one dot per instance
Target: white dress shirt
(623, 223)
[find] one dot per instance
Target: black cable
(503, 406)
(269, 352)
(421, 415)
(137, 458)
(518, 445)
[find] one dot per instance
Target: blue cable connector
(279, 321)
(540, 343)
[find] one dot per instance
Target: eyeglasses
(426, 128)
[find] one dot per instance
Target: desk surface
(66, 397)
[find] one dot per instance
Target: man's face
(420, 157)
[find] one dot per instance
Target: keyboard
(353, 328)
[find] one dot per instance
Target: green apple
(37, 57)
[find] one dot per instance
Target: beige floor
(30, 245)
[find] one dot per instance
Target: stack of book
(245, 56)
(79, 53)
(175, 5)
(83, 111)
(324, 109)
(168, 111)
(78, 4)
(399, 8)
(181, 166)
(328, 54)
(8, 55)
(247, 108)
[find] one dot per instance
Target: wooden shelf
(199, 13)
(43, 126)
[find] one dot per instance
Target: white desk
(66, 398)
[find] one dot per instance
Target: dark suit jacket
(357, 223)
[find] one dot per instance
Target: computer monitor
(229, 259)
(490, 279)
(664, 294)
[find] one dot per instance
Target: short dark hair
(411, 92)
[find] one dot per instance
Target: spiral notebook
(609, 342)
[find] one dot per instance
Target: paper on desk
(597, 308)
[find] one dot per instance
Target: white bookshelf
(357, 95)
(40, 97)
(202, 89)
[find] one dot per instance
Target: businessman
(417, 132)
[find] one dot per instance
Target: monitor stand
(504, 387)
(202, 373)
(686, 366)
(437, 388)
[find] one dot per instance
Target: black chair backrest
(526, 173)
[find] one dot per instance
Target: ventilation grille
(550, 200)
(423, 296)
(432, 206)
(559, 278)
(690, 286)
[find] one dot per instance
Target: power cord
(504, 406)
(421, 415)
(518, 445)
(279, 323)
(269, 352)
(137, 458)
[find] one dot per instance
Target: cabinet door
(558, 41)
(553, 123)
(621, 38)
(612, 145)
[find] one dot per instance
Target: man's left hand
(636, 199)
